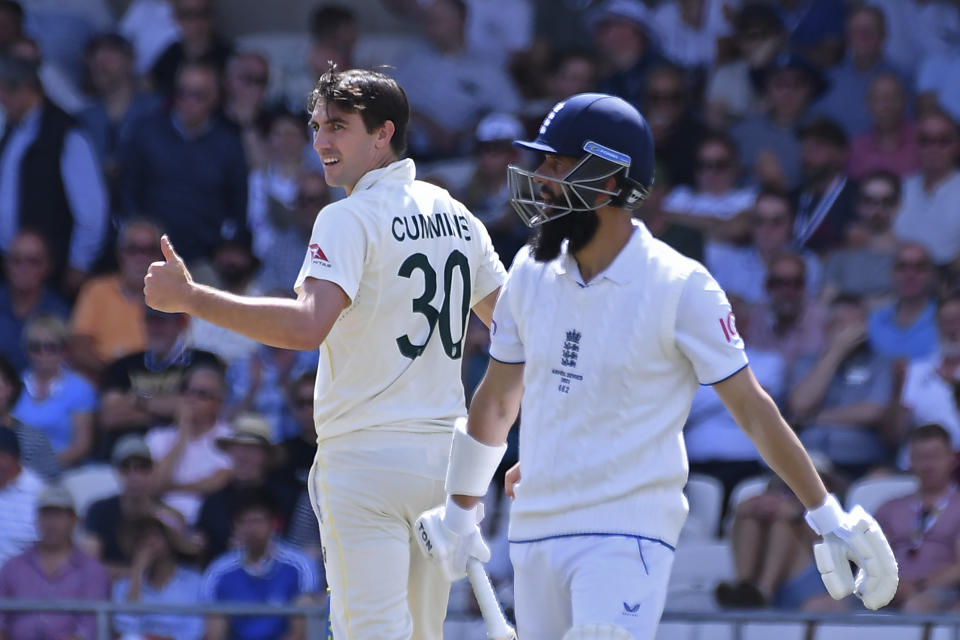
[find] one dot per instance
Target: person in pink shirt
(890, 144)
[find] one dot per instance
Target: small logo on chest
(571, 349)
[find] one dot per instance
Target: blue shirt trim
(597, 534)
(710, 384)
(506, 362)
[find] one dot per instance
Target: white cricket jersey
(611, 367)
(413, 262)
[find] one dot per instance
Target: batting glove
(450, 536)
(853, 537)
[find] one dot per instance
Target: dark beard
(578, 227)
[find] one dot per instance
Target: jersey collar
(625, 266)
(400, 171)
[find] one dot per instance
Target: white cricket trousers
(563, 582)
(367, 489)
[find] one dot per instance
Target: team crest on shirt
(317, 254)
(571, 348)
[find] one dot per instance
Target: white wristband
(472, 463)
(826, 517)
(459, 520)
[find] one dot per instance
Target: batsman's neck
(613, 234)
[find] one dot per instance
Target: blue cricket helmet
(611, 139)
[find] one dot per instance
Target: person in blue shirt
(260, 570)
(907, 327)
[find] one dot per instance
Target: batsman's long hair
(374, 95)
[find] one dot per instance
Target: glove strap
(472, 463)
(826, 517)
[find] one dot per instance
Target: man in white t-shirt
(603, 334)
(389, 278)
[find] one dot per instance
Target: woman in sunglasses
(55, 399)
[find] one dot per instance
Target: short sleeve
(85, 312)
(706, 330)
(490, 273)
(505, 342)
(337, 250)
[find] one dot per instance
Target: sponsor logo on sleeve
(317, 254)
(729, 327)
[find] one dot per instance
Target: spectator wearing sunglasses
(298, 452)
(930, 210)
(56, 400)
(907, 327)
(244, 102)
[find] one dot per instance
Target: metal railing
(316, 615)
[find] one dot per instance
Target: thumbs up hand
(168, 285)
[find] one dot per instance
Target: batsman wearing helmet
(602, 334)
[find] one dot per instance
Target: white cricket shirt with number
(413, 261)
(611, 367)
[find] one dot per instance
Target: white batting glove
(449, 535)
(853, 537)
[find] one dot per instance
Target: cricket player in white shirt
(602, 334)
(388, 281)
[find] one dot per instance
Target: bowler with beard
(602, 334)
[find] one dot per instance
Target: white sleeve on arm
(490, 272)
(337, 250)
(505, 342)
(706, 331)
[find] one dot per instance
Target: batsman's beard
(577, 227)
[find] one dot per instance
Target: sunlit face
(27, 265)
(716, 169)
(55, 525)
(254, 528)
(876, 203)
(45, 350)
(786, 286)
(912, 273)
(938, 144)
(933, 461)
(137, 248)
(344, 145)
(771, 224)
(864, 35)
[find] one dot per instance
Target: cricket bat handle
(496, 623)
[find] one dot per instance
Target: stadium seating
(870, 493)
(705, 495)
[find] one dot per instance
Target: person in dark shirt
(198, 42)
(298, 452)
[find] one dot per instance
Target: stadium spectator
(623, 38)
(298, 451)
(688, 31)
(261, 569)
(244, 102)
(333, 36)
(59, 88)
(449, 86)
(930, 207)
(772, 551)
(11, 23)
(117, 102)
(273, 182)
(19, 489)
(863, 266)
(846, 101)
(187, 463)
(742, 270)
(36, 453)
(108, 317)
(303, 534)
(52, 177)
(282, 259)
(731, 93)
(907, 327)
(825, 198)
(233, 267)
(252, 455)
(186, 169)
(936, 82)
(769, 146)
(199, 42)
(715, 204)
(52, 569)
(158, 576)
(105, 518)
(815, 28)
(891, 143)
(142, 390)
(930, 385)
(676, 130)
(25, 294)
(918, 29)
(55, 399)
(150, 26)
(568, 72)
(840, 394)
(923, 528)
(789, 322)
(686, 240)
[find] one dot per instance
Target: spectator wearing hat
(846, 100)
(52, 569)
(159, 575)
(252, 456)
(626, 44)
(188, 466)
(768, 141)
(133, 463)
(141, 390)
(924, 527)
(825, 198)
(36, 453)
(930, 208)
(108, 317)
(19, 489)
(233, 268)
(52, 176)
(260, 569)
(117, 102)
(55, 399)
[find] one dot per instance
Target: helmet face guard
(576, 191)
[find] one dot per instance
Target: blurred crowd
(807, 154)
